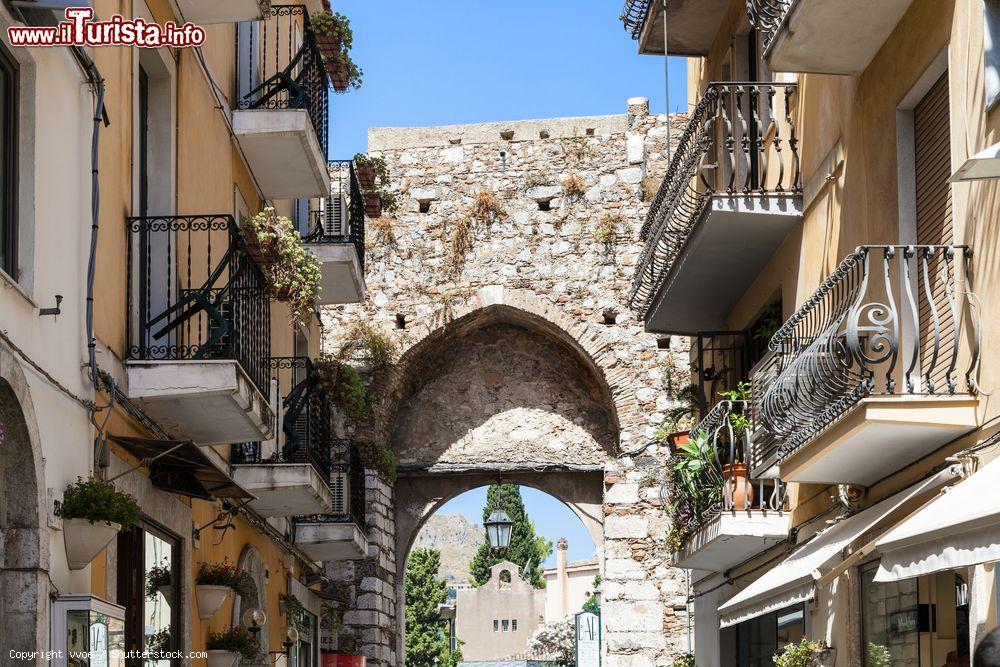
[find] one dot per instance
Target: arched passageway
(24, 549)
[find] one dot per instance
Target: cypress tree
(526, 550)
(426, 633)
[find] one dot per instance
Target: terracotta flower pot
(366, 176)
(210, 598)
(737, 492)
(260, 254)
(678, 438)
(328, 45)
(84, 540)
(340, 75)
(373, 205)
(217, 658)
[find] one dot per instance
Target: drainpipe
(687, 608)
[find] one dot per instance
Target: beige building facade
(859, 301)
(569, 584)
(495, 620)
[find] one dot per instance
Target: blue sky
(552, 519)
(438, 62)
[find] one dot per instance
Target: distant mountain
(457, 538)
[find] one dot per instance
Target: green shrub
(96, 501)
(378, 457)
(238, 640)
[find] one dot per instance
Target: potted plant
(332, 31)
(159, 641)
(213, 584)
(227, 648)
(373, 204)
(343, 72)
(158, 581)
(293, 273)
(93, 511)
(806, 653)
(370, 170)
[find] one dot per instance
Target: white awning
(959, 529)
(794, 579)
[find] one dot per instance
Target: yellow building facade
(822, 165)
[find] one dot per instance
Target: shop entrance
(920, 622)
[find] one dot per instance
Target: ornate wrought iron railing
(347, 482)
(739, 143)
(889, 320)
(726, 483)
(767, 16)
(634, 14)
(194, 294)
(279, 66)
(303, 419)
(342, 218)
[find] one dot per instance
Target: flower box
(340, 75)
(373, 205)
(217, 658)
(328, 45)
(210, 598)
(366, 175)
(84, 540)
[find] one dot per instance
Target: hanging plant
(343, 72)
(293, 273)
(295, 612)
(93, 512)
(371, 171)
(157, 578)
(378, 457)
(224, 573)
(332, 31)
(234, 640)
(343, 385)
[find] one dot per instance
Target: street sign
(588, 639)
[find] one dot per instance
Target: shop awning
(958, 529)
(182, 467)
(794, 580)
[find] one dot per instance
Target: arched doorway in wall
(495, 602)
(254, 597)
(23, 556)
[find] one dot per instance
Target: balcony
(337, 237)
(282, 109)
(340, 533)
(203, 12)
(198, 329)
(821, 36)
(730, 197)
(290, 473)
(868, 369)
(725, 516)
(693, 25)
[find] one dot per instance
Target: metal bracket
(52, 311)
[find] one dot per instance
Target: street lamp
(498, 529)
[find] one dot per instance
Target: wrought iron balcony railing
(304, 420)
(194, 294)
(738, 142)
(342, 218)
(634, 14)
(725, 483)
(347, 483)
(279, 66)
(767, 16)
(891, 320)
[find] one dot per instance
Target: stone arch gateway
(520, 357)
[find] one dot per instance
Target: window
(305, 652)
(496, 625)
(513, 625)
(753, 643)
(991, 50)
(8, 163)
(890, 618)
(148, 576)
(506, 625)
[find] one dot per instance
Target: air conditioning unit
(340, 493)
(335, 220)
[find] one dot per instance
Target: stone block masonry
(518, 348)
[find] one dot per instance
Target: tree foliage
(526, 549)
(426, 633)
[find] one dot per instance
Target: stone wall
(514, 325)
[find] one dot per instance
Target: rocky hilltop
(457, 538)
